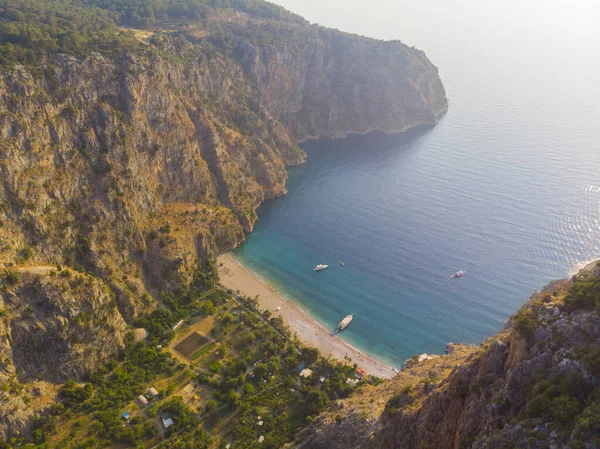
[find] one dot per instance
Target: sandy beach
(236, 277)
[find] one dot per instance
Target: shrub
(11, 277)
(584, 292)
(234, 398)
(211, 405)
(75, 394)
(592, 360)
(525, 325)
(215, 366)
(26, 253)
(249, 389)
(564, 408)
(207, 308)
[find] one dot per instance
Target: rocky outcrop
(324, 83)
(53, 327)
(534, 385)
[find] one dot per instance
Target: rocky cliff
(324, 83)
(534, 385)
(132, 164)
(54, 326)
(96, 149)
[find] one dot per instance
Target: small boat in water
(341, 263)
(458, 274)
(320, 267)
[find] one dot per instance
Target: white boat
(341, 263)
(320, 267)
(458, 274)
(344, 323)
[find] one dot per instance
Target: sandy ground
(236, 277)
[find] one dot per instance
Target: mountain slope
(137, 139)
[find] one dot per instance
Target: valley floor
(236, 277)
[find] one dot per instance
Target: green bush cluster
(559, 398)
(32, 30)
(524, 324)
(584, 292)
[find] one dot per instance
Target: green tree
(249, 389)
(234, 398)
(211, 405)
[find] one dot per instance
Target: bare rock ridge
(133, 165)
(534, 385)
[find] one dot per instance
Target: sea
(506, 187)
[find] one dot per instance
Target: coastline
(237, 277)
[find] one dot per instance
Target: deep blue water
(506, 186)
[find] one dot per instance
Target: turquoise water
(506, 186)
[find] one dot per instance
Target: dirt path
(38, 269)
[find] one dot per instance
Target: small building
(261, 439)
(142, 401)
(360, 374)
(189, 388)
(177, 325)
(167, 422)
(151, 392)
(351, 381)
(260, 423)
(305, 372)
(322, 379)
(125, 416)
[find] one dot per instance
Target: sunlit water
(506, 186)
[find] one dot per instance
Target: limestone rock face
(53, 328)
(333, 84)
(138, 166)
(94, 148)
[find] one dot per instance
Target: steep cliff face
(534, 385)
(136, 165)
(321, 82)
(94, 149)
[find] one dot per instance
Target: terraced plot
(190, 344)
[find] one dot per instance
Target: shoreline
(237, 277)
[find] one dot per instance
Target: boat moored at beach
(344, 323)
(320, 267)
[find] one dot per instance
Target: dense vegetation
(33, 30)
(147, 12)
(584, 293)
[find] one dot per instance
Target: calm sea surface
(506, 186)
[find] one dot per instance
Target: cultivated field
(191, 344)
